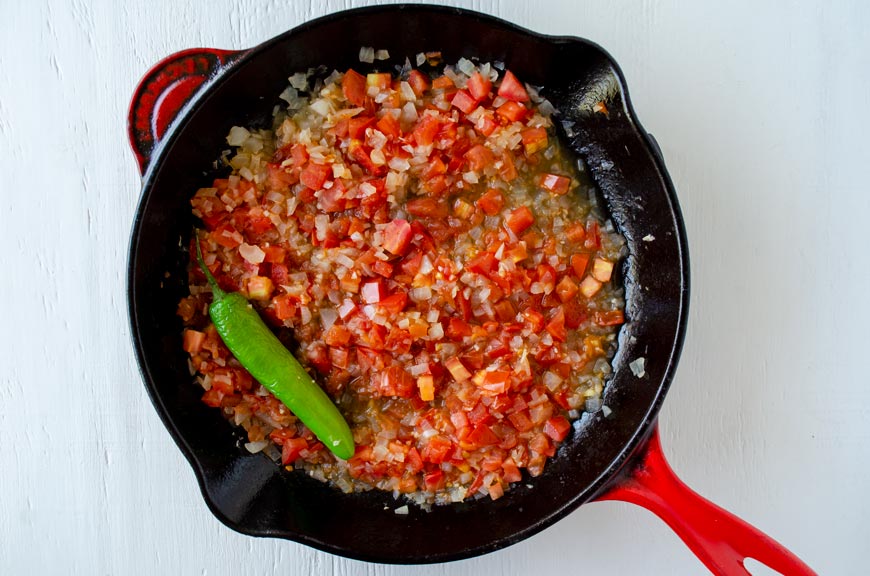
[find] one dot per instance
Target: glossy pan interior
(250, 493)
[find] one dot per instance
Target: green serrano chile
(262, 354)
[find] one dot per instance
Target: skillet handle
(164, 91)
(718, 538)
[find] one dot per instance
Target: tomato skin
(512, 89)
(353, 86)
(609, 318)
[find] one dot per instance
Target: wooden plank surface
(762, 113)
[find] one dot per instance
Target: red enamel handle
(719, 539)
(163, 92)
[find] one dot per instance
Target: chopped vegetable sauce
(427, 249)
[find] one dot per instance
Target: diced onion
(367, 54)
(252, 254)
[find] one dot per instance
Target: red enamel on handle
(719, 539)
(163, 92)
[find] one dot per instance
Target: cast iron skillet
(179, 117)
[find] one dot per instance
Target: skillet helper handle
(718, 538)
(164, 91)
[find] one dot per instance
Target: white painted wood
(762, 112)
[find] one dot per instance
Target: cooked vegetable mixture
(427, 250)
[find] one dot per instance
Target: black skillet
(179, 117)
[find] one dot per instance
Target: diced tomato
(340, 357)
(427, 207)
(483, 263)
(358, 152)
(511, 472)
(479, 157)
(556, 326)
(589, 287)
(419, 82)
(436, 450)
(397, 237)
(491, 202)
(389, 126)
(426, 129)
(609, 318)
(314, 175)
(504, 310)
(478, 86)
(521, 421)
(557, 428)
(442, 83)
(284, 307)
(291, 448)
(482, 435)
(392, 304)
(436, 185)
(395, 381)
(575, 232)
(458, 370)
(566, 289)
(520, 219)
(512, 111)
(356, 127)
(457, 329)
(602, 269)
(426, 387)
(464, 101)
(274, 254)
(353, 86)
(382, 268)
(227, 236)
(534, 139)
(494, 381)
(512, 89)
(486, 124)
(541, 444)
(279, 179)
(259, 288)
(508, 170)
(192, 341)
(575, 313)
(593, 236)
(337, 335)
(554, 183)
(579, 262)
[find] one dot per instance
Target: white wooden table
(762, 113)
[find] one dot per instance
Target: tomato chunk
(464, 101)
(478, 86)
(554, 183)
(397, 237)
(315, 175)
(557, 428)
(520, 219)
(512, 89)
(491, 202)
(353, 86)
